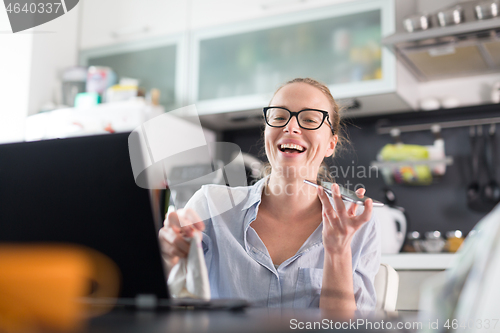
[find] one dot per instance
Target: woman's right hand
(178, 225)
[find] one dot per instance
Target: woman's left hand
(340, 225)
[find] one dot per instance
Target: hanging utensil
(491, 191)
(473, 190)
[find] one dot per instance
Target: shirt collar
(255, 195)
(254, 199)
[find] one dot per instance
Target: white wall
(15, 67)
(30, 62)
(52, 52)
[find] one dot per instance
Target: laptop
(81, 190)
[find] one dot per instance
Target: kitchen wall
(441, 206)
(30, 66)
(15, 60)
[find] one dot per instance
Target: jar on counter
(412, 242)
(454, 240)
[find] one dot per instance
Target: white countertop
(418, 261)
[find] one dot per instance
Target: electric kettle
(393, 228)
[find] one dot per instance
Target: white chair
(386, 287)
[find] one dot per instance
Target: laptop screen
(82, 190)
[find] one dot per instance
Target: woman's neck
(290, 198)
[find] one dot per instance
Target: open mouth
(291, 148)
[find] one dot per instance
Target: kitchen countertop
(418, 261)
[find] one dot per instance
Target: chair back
(386, 288)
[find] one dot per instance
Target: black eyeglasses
(309, 119)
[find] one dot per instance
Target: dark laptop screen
(82, 190)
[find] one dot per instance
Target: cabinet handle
(130, 31)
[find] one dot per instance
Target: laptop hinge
(146, 301)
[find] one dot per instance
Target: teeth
(292, 146)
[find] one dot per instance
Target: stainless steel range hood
(466, 49)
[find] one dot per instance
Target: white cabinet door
(206, 14)
(109, 22)
(237, 66)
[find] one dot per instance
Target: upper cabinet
(231, 55)
(238, 66)
(112, 22)
(155, 62)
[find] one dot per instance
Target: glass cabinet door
(240, 66)
(153, 62)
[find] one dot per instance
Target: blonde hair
(335, 120)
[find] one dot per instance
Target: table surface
(247, 320)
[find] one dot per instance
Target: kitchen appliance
(461, 45)
(393, 227)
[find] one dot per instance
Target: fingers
(325, 202)
(366, 215)
(186, 221)
(330, 217)
(178, 226)
(360, 192)
(172, 243)
(352, 209)
(172, 221)
(189, 217)
(339, 203)
(177, 240)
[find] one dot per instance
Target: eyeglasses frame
(326, 116)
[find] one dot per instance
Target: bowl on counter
(433, 242)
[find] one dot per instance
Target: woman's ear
(331, 145)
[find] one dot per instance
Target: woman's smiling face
(292, 146)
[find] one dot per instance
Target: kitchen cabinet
(155, 62)
(113, 22)
(238, 66)
(205, 14)
(233, 67)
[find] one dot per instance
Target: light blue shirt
(239, 265)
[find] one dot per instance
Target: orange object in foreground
(42, 286)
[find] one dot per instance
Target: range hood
(467, 49)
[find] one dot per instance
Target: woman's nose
(292, 126)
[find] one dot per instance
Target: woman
(287, 244)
